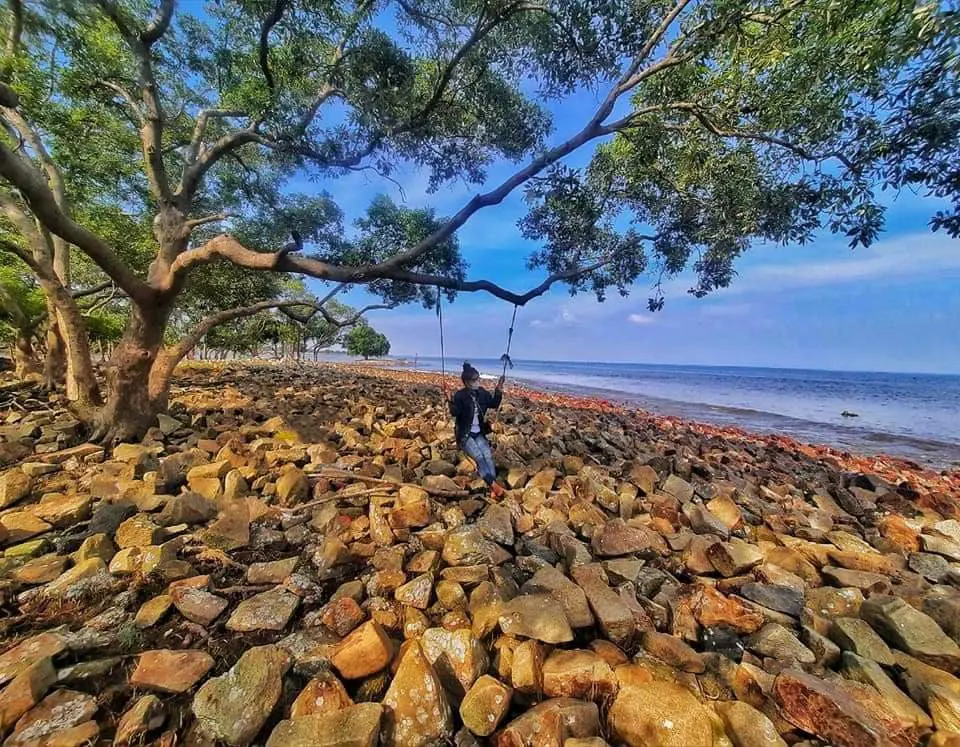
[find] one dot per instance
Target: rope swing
(504, 359)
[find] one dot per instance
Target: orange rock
(323, 694)
(170, 671)
(713, 608)
(896, 530)
(342, 615)
(578, 674)
(25, 692)
(366, 651)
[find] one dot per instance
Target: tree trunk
(138, 384)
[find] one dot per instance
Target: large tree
(157, 141)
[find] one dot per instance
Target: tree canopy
(366, 341)
(167, 146)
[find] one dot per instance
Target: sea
(914, 416)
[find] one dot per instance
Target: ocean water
(916, 416)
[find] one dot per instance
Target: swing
(505, 358)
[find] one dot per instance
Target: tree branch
(264, 50)
(708, 124)
(127, 97)
(31, 184)
(228, 248)
(160, 23)
(78, 294)
(200, 128)
(151, 133)
(195, 222)
(15, 31)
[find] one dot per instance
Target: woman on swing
(469, 408)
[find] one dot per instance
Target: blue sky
(892, 307)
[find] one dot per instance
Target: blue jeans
(478, 449)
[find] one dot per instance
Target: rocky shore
(298, 556)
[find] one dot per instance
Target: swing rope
(443, 364)
(505, 358)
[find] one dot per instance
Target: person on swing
(469, 408)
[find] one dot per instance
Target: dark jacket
(461, 407)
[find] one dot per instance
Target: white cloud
(902, 258)
(640, 319)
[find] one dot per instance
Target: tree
(165, 146)
(366, 341)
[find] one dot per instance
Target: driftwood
(338, 474)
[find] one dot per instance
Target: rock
(548, 580)
(416, 593)
(496, 524)
(25, 691)
(342, 615)
(67, 582)
(145, 715)
(48, 722)
(31, 651)
(550, 723)
(233, 708)
(727, 511)
(485, 705)
(578, 674)
(678, 488)
(833, 603)
(775, 597)
(152, 610)
(748, 727)
(660, 714)
(827, 710)
(868, 672)
(274, 572)
(417, 711)
(673, 651)
(269, 610)
(189, 508)
(138, 531)
(323, 695)
(367, 650)
(41, 570)
(467, 546)
(777, 642)
(615, 618)
(96, 546)
(194, 602)
(616, 538)
(526, 668)
(535, 616)
(62, 511)
(457, 656)
(912, 631)
(169, 671)
(231, 530)
(734, 558)
(293, 487)
(19, 526)
(15, 485)
(354, 726)
(854, 635)
(142, 458)
(944, 707)
(942, 604)
(711, 609)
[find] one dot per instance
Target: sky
(894, 306)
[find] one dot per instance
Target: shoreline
(891, 468)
